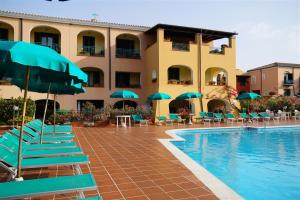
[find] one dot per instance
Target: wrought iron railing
(91, 51)
(180, 46)
(53, 46)
(128, 53)
(217, 50)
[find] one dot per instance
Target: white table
(123, 120)
(190, 118)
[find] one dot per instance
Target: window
(154, 76)
(128, 46)
(95, 77)
(287, 92)
(173, 73)
(128, 80)
(88, 44)
(47, 39)
(3, 34)
(288, 78)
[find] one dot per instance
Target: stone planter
(76, 124)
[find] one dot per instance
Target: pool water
(256, 163)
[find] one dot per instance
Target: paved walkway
(130, 163)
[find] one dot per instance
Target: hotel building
(162, 58)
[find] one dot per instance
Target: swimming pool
(257, 163)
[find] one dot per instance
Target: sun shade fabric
(124, 94)
(189, 95)
(159, 96)
(45, 63)
(248, 96)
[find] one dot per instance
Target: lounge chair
(29, 146)
(254, 116)
(203, 117)
(243, 117)
(34, 133)
(176, 118)
(296, 115)
(58, 129)
(137, 118)
(165, 120)
(230, 118)
(218, 117)
(47, 186)
(36, 140)
(9, 161)
(265, 116)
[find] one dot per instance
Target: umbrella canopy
(248, 96)
(189, 95)
(124, 94)
(44, 63)
(159, 96)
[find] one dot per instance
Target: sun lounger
(34, 133)
(203, 117)
(265, 116)
(175, 118)
(47, 186)
(8, 160)
(254, 116)
(243, 117)
(34, 140)
(137, 118)
(230, 118)
(165, 120)
(58, 129)
(218, 117)
(63, 125)
(31, 147)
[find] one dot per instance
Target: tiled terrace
(130, 163)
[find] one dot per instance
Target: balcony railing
(216, 50)
(180, 46)
(90, 51)
(215, 83)
(180, 82)
(128, 53)
(288, 82)
(53, 46)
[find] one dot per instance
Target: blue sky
(269, 31)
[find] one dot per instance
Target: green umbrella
(30, 62)
(159, 96)
(189, 96)
(124, 94)
(248, 96)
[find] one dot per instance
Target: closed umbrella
(159, 96)
(248, 96)
(188, 96)
(30, 62)
(124, 94)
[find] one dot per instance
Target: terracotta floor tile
(180, 194)
(170, 187)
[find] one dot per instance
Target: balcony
(179, 75)
(90, 51)
(128, 80)
(179, 46)
(55, 47)
(128, 53)
(288, 82)
(215, 76)
(216, 50)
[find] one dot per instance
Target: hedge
(6, 109)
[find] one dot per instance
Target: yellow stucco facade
(163, 58)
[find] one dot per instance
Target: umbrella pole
(44, 116)
(54, 113)
(158, 102)
(22, 125)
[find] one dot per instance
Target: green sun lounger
(47, 186)
(137, 118)
(58, 129)
(265, 116)
(175, 118)
(230, 117)
(32, 147)
(40, 122)
(243, 117)
(254, 116)
(218, 117)
(9, 160)
(34, 133)
(35, 140)
(203, 116)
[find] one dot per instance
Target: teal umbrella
(248, 96)
(159, 96)
(124, 94)
(30, 62)
(189, 96)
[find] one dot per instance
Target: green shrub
(6, 108)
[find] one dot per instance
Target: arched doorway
(178, 106)
(90, 43)
(128, 103)
(40, 107)
(6, 32)
(218, 106)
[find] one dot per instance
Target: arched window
(216, 76)
(128, 46)
(90, 43)
(180, 75)
(6, 32)
(95, 77)
(46, 36)
(178, 106)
